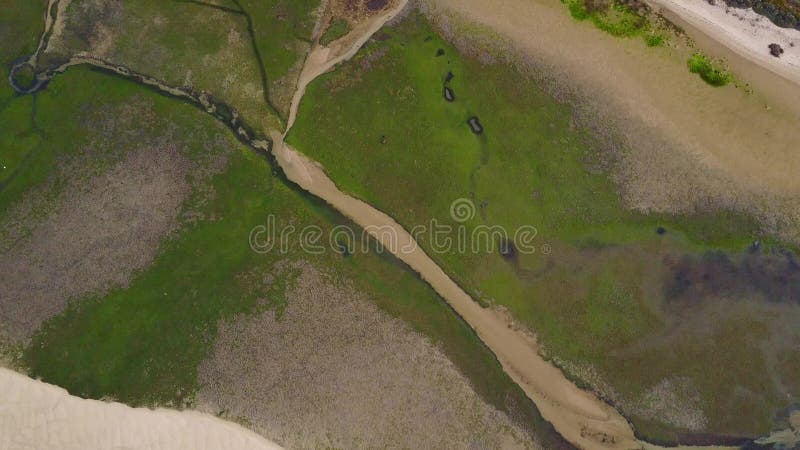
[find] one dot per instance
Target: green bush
(620, 21)
(655, 40)
(709, 70)
(577, 9)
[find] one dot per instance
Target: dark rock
(475, 125)
(449, 95)
(507, 249)
(775, 50)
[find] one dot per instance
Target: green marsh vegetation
(336, 30)
(618, 19)
(142, 344)
(25, 76)
(244, 53)
(595, 290)
(283, 31)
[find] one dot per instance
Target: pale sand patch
(674, 401)
(101, 231)
(36, 415)
(334, 371)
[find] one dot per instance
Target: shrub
(654, 40)
(709, 70)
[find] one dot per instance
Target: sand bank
(742, 31)
(36, 415)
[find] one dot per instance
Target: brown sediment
(375, 384)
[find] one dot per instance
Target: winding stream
(578, 415)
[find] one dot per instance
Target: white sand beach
(37, 415)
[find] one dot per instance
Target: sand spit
(36, 415)
(374, 383)
(743, 31)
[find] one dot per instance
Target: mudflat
(687, 144)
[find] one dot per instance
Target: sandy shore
(36, 415)
(742, 31)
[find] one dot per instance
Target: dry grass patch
(335, 371)
(98, 235)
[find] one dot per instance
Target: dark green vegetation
(25, 76)
(21, 24)
(595, 291)
(142, 344)
(711, 71)
(618, 19)
(283, 31)
(336, 30)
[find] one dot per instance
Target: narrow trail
(579, 416)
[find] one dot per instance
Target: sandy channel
(578, 415)
(36, 415)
